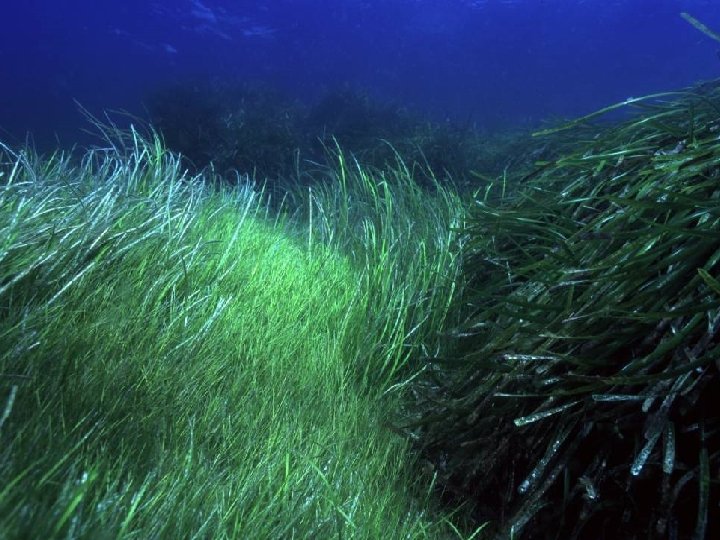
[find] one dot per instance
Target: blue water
(494, 63)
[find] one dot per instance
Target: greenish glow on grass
(175, 365)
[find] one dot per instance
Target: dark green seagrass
(580, 400)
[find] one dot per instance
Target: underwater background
(494, 64)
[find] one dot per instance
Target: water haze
(495, 64)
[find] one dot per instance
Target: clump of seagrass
(578, 402)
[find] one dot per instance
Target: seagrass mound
(580, 397)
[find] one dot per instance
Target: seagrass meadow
(378, 354)
(180, 362)
(580, 397)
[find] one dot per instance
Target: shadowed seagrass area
(579, 398)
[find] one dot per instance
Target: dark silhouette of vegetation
(249, 129)
(254, 129)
